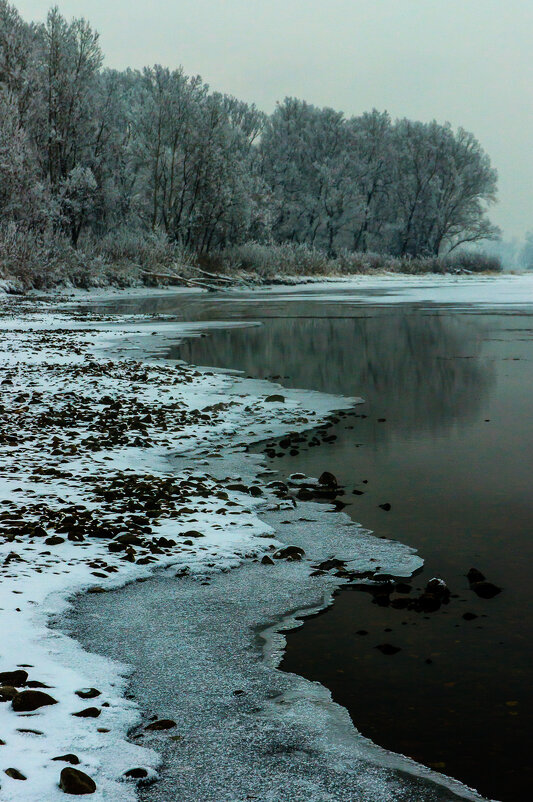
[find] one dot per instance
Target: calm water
(454, 459)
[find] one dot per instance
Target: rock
(290, 553)
(136, 774)
(402, 587)
(74, 759)
(15, 774)
(55, 540)
(438, 588)
(192, 533)
(327, 565)
(266, 560)
(96, 589)
(475, 576)
(129, 540)
(88, 693)
(26, 701)
(16, 678)
(161, 724)
(485, 590)
(387, 507)
(88, 712)
(327, 478)
(7, 693)
(387, 648)
(469, 616)
(275, 399)
(76, 782)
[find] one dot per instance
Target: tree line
(86, 152)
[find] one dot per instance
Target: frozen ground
(84, 441)
(86, 434)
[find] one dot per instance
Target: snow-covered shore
(90, 501)
(84, 445)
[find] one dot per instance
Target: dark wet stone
(136, 774)
(387, 507)
(475, 576)
(161, 724)
(28, 731)
(15, 774)
(88, 693)
(7, 693)
(129, 540)
(328, 478)
(403, 587)
(289, 553)
(16, 678)
(485, 590)
(388, 649)
(88, 712)
(280, 399)
(362, 632)
(469, 616)
(74, 759)
(76, 782)
(327, 565)
(26, 701)
(266, 560)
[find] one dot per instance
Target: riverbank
(91, 502)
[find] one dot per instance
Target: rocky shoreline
(88, 502)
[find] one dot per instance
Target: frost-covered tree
(443, 182)
(86, 152)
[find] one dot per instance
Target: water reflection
(429, 367)
(454, 458)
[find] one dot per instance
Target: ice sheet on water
(206, 656)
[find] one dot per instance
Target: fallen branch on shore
(177, 277)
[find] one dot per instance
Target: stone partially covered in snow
(76, 782)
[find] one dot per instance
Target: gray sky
(466, 61)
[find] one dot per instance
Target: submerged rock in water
(480, 586)
(475, 576)
(485, 590)
(328, 478)
(388, 649)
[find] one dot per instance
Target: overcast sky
(466, 61)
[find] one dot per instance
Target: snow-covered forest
(118, 165)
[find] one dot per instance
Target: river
(445, 437)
